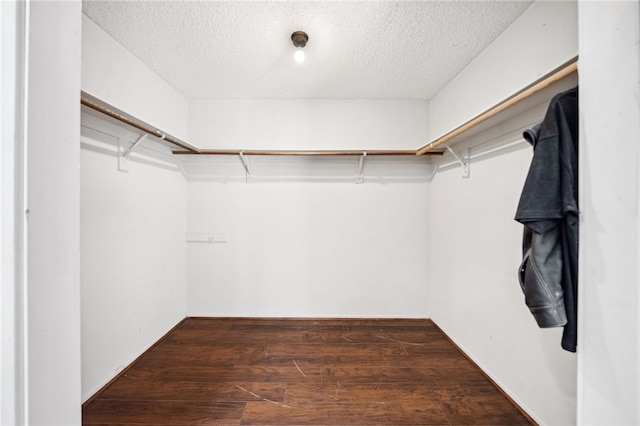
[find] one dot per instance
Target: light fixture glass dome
(299, 39)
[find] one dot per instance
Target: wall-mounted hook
(360, 174)
(463, 164)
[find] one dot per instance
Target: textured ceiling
(356, 49)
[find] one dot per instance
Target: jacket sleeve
(540, 276)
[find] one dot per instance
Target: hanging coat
(548, 209)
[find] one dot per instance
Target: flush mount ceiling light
(299, 39)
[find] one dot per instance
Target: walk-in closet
(304, 212)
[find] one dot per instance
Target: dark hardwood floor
(302, 372)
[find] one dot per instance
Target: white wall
(53, 190)
(475, 297)
(475, 243)
(308, 124)
(544, 37)
(112, 74)
(12, 95)
(309, 248)
(134, 265)
(609, 334)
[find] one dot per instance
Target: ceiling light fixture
(299, 39)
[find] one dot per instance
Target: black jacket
(548, 209)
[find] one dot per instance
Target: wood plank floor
(302, 372)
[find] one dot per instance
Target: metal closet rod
(305, 153)
(187, 149)
(542, 83)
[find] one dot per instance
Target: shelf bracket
(247, 169)
(360, 174)
(123, 165)
(463, 164)
(135, 144)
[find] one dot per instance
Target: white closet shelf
(537, 86)
(180, 147)
(104, 108)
